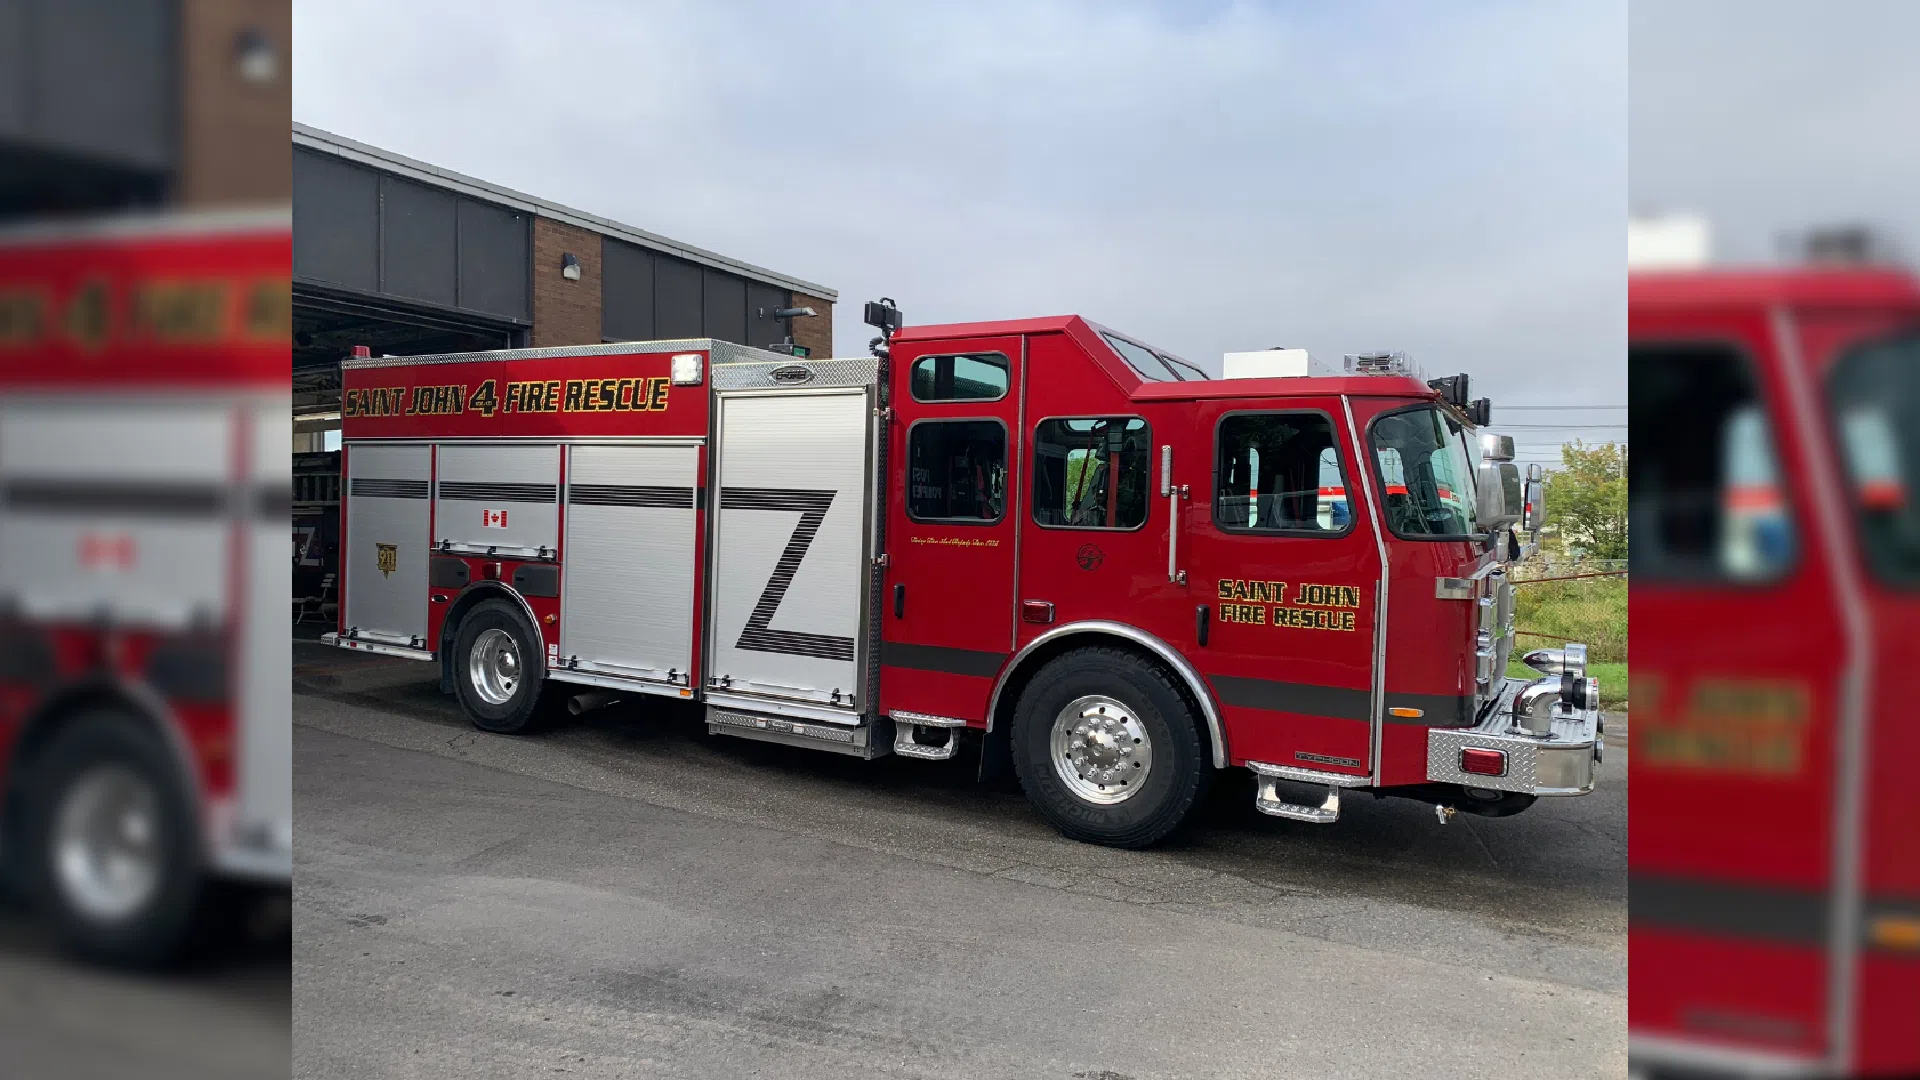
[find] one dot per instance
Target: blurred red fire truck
(145, 423)
(1119, 574)
(1775, 860)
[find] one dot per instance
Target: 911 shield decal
(758, 635)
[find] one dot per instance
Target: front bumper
(1561, 762)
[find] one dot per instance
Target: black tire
(1180, 770)
(113, 749)
(523, 712)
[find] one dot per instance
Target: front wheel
(498, 671)
(1107, 748)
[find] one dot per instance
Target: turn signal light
(1480, 761)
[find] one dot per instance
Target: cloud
(1443, 178)
(1771, 117)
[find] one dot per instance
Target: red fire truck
(1775, 864)
(144, 483)
(1119, 573)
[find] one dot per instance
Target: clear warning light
(686, 369)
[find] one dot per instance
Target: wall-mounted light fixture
(254, 58)
(570, 267)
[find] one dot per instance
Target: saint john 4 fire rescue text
(1121, 574)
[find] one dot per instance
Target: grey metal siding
(96, 77)
(762, 301)
(725, 307)
(357, 228)
(626, 295)
(336, 222)
(417, 241)
(677, 306)
(495, 259)
(13, 68)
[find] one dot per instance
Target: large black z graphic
(759, 636)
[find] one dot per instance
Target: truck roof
(1827, 287)
(1088, 333)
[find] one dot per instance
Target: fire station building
(405, 258)
(408, 258)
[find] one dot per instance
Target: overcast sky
(1769, 117)
(1447, 178)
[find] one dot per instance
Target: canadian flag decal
(493, 519)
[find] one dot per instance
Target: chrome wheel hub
(1100, 750)
(494, 666)
(106, 843)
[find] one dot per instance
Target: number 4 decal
(759, 636)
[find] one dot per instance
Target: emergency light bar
(1381, 363)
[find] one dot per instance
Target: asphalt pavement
(626, 896)
(224, 1017)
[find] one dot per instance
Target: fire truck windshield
(1426, 474)
(1875, 395)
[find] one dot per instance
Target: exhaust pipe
(591, 700)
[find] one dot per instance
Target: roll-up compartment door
(632, 550)
(504, 497)
(790, 522)
(386, 558)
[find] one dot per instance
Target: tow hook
(1444, 813)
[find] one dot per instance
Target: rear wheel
(1107, 748)
(498, 671)
(110, 829)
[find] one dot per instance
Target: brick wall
(815, 333)
(233, 130)
(564, 312)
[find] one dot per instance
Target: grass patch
(1590, 610)
(1612, 676)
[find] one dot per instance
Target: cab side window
(1279, 473)
(960, 377)
(957, 471)
(1092, 472)
(1705, 493)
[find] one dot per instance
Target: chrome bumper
(1561, 762)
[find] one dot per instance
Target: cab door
(1739, 636)
(946, 617)
(1285, 567)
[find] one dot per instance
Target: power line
(1497, 405)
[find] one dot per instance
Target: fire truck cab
(1116, 573)
(1775, 869)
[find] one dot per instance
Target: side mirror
(1534, 512)
(1495, 447)
(1499, 495)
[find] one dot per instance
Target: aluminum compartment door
(790, 524)
(386, 558)
(116, 509)
(501, 496)
(632, 546)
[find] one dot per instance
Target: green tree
(1587, 499)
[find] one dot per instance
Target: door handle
(900, 601)
(1202, 616)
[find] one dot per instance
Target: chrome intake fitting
(1533, 705)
